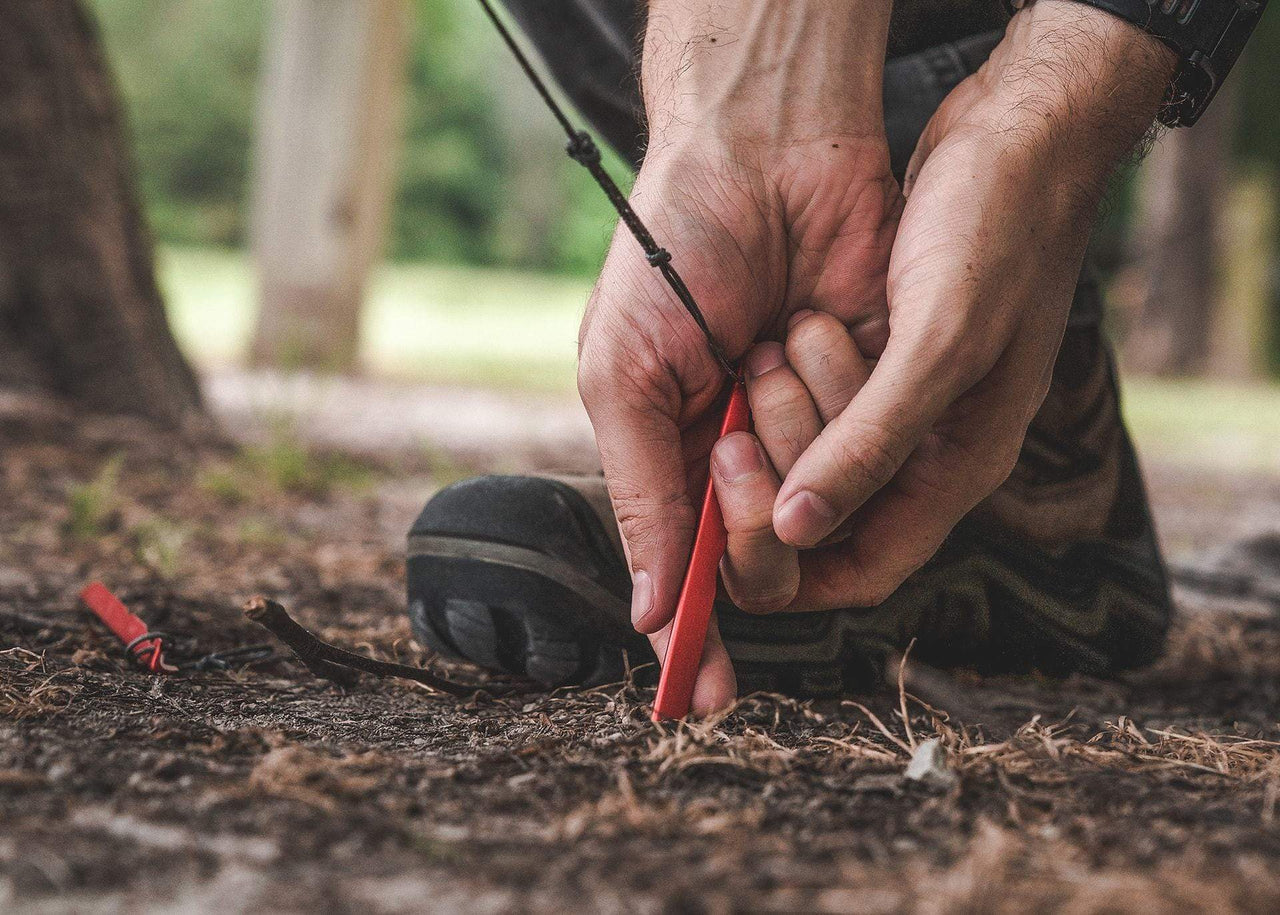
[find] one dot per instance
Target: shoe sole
(986, 601)
(516, 610)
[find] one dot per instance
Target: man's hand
(768, 178)
(1001, 194)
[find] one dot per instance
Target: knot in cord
(659, 258)
(582, 148)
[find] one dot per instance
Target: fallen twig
(333, 663)
(893, 738)
(902, 696)
(936, 688)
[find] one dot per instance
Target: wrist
(1085, 73)
(776, 74)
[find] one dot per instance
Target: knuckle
(763, 599)
(592, 376)
(816, 332)
(1001, 464)
(752, 525)
(780, 395)
(619, 369)
(952, 349)
(748, 515)
(643, 520)
(878, 591)
(867, 461)
(641, 362)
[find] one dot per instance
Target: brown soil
(266, 789)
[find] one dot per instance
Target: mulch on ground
(264, 788)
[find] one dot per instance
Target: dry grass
(42, 699)
(267, 790)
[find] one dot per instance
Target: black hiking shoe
(1058, 570)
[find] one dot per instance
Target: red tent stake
(128, 628)
(693, 612)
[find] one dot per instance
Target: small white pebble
(929, 766)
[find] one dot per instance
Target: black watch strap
(1208, 36)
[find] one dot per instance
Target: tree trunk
(1175, 238)
(327, 125)
(1241, 332)
(80, 313)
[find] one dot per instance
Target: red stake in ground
(693, 612)
(127, 627)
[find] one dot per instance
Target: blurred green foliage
(1254, 84)
(480, 176)
(187, 70)
(477, 182)
(93, 506)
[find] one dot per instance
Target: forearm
(782, 71)
(1082, 77)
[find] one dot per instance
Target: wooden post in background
(1241, 331)
(328, 122)
(1174, 240)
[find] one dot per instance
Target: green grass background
(478, 326)
(448, 324)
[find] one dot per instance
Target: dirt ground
(265, 789)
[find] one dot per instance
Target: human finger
(863, 447)
(634, 405)
(823, 354)
(760, 572)
(716, 685)
(784, 416)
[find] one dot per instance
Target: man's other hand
(1001, 195)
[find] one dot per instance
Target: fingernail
(804, 519)
(738, 456)
(641, 596)
(765, 357)
(798, 317)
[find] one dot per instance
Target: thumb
(862, 449)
